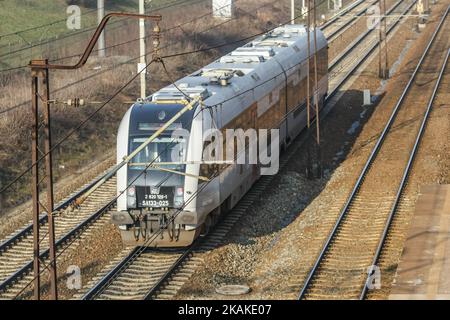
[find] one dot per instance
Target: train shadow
(290, 191)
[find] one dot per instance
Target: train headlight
(131, 199)
(179, 191)
(131, 202)
(178, 202)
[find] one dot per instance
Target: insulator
(76, 102)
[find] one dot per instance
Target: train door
(255, 167)
(209, 197)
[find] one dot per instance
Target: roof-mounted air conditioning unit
(266, 53)
(296, 28)
(172, 93)
(221, 76)
(242, 59)
(273, 43)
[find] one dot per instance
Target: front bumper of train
(168, 228)
(121, 218)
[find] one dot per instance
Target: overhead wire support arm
(129, 157)
(87, 52)
(40, 76)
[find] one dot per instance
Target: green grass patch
(27, 25)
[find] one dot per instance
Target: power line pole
(40, 75)
(35, 185)
(386, 65)
(316, 100)
(308, 88)
(308, 79)
(39, 72)
(49, 187)
(142, 63)
(100, 15)
(383, 70)
(292, 11)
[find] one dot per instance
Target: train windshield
(166, 152)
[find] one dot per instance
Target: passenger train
(259, 85)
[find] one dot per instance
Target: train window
(297, 112)
(256, 77)
(157, 126)
(209, 170)
(165, 151)
(204, 170)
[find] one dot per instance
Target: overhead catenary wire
(148, 242)
(46, 266)
(122, 63)
(146, 37)
(45, 25)
(162, 32)
(173, 4)
(123, 87)
(86, 30)
(81, 124)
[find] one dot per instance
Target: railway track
(365, 42)
(148, 274)
(16, 252)
(348, 259)
(339, 23)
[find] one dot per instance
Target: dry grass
(98, 135)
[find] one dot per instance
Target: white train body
(261, 85)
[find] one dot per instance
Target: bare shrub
(95, 84)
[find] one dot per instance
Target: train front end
(153, 208)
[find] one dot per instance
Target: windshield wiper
(169, 170)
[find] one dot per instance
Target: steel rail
(361, 61)
(100, 286)
(27, 267)
(349, 22)
(405, 177)
(61, 206)
(95, 291)
(64, 204)
(339, 14)
(157, 286)
(27, 230)
(368, 164)
(361, 37)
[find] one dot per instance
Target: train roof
(247, 68)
